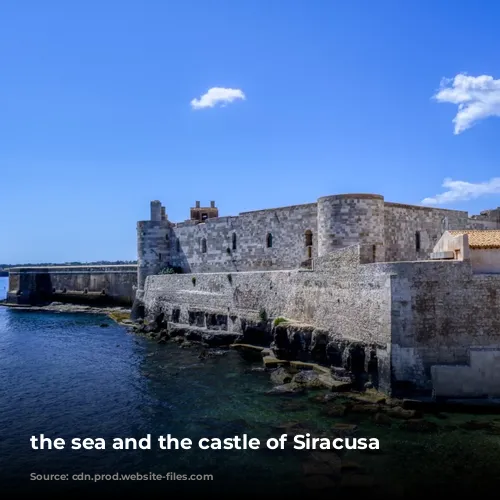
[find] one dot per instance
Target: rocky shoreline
(335, 387)
(59, 307)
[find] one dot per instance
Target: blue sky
(97, 116)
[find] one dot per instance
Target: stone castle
(407, 295)
(292, 237)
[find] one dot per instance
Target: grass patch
(280, 319)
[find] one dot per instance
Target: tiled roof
(480, 238)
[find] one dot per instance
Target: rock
(351, 467)
(290, 388)
(309, 379)
(178, 339)
(246, 347)
(272, 362)
(398, 412)
(382, 419)
(368, 397)
(186, 344)
(290, 406)
(368, 385)
(335, 410)
(419, 425)
(290, 427)
(342, 429)
(336, 385)
(368, 408)
(476, 425)
(127, 322)
(281, 376)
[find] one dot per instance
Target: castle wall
(351, 301)
(441, 314)
(402, 223)
(286, 225)
(99, 285)
(428, 318)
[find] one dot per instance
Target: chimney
(212, 204)
(197, 204)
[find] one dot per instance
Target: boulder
(281, 376)
(290, 388)
(309, 379)
(399, 412)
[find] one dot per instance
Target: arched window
(309, 238)
(234, 241)
(269, 240)
(204, 245)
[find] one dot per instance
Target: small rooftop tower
(201, 214)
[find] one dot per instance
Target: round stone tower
(350, 219)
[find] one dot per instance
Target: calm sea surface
(76, 375)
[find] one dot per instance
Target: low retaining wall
(93, 285)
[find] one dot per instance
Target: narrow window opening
(417, 241)
(269, 240)
(309, 252)
(234, 241)
(159, 256)
(309, 238)
(204, 245)
(374, 253)
(178, 244)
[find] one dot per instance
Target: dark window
(374, 253)
(204, 245)
(417, 241)
(159, 256)
(309, 252)
(269, 240)
(166, 236)
(204, 216)
(178, 243)
(309, 238)
(234, 241)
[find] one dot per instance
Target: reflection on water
(75, 375)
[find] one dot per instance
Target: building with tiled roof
(479, 246)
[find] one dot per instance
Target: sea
(73, 377)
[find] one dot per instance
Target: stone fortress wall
(285, 238)
(94, 285)
(352, 267)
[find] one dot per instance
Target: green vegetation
(193, 279)
(280, 319)
(171, 270)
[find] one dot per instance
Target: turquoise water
(68, 375)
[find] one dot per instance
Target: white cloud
(477, 97)
(217, 95)
(463, 191)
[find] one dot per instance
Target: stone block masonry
(418, 316)
(294, 236)
(93, 285)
